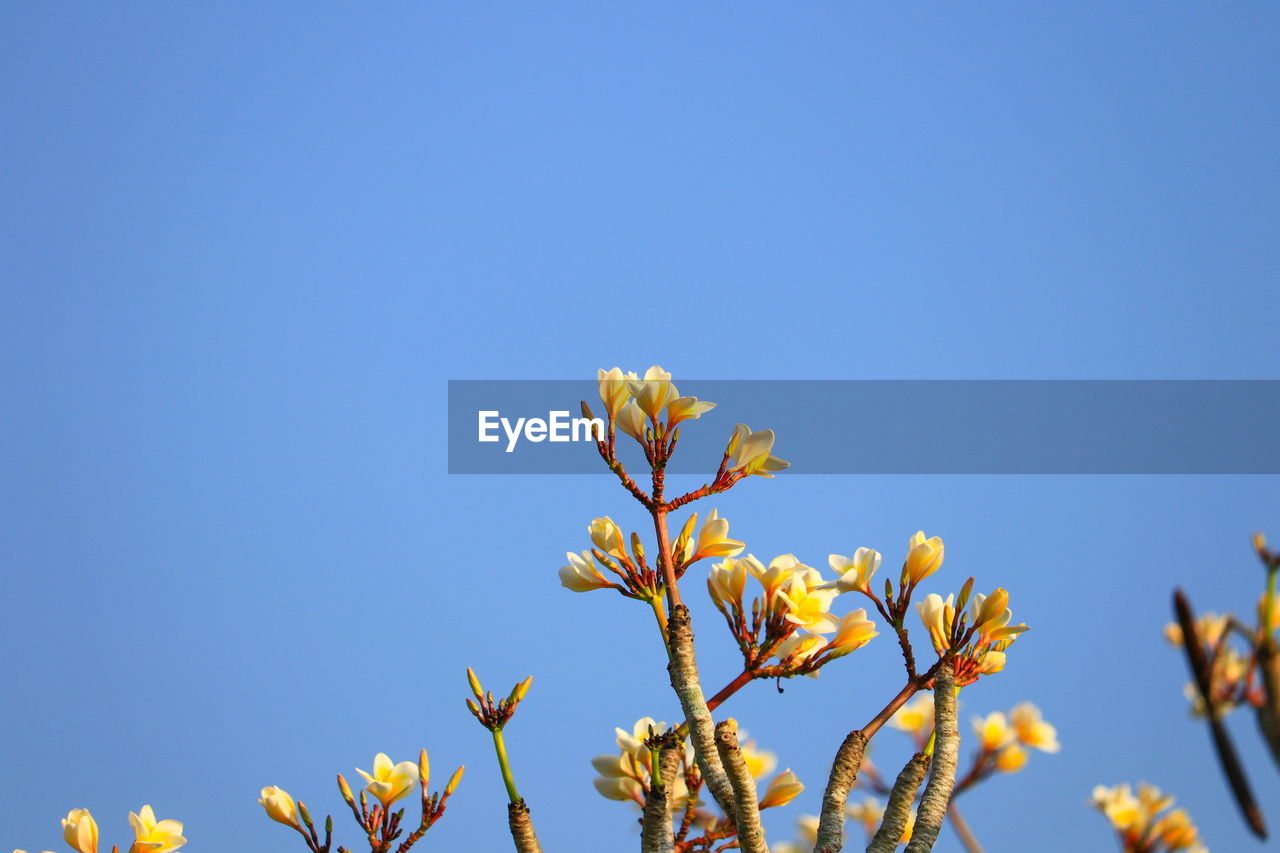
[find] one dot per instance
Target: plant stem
(504, 765)
(961, 826)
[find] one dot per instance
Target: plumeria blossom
(607, 536)
(1031, 729)
(784, 788)
(154, 836)
(581, 574)
(686, 408)
(915, 717)
(867, 813)
(615, 390)
(853, 632)
(627, 775)
(749, 452)
(389, 782)
(1210, 628)
(806, 605)
(978, 641)
(631, 420)
(854, 573)
(1011, 759)
(800, 649)
(1139, 823)
(760, 763)
(924, 557)
(938, 615)
(279, 806)
(712, 540)
(80, 831)
(727, 581)
(994, 731)
(654, 391)
(781, 569)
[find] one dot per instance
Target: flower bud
(475, 683)
(424, 769)
(453, 781)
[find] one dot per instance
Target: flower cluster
(978, 638)
(627, 776)
(1143, 822)
(386, 783)
(789, 620)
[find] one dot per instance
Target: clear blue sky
(243, 248)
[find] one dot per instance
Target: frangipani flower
(628, 775)
(800, 647)
(784, 788)
(581, 574)
(993, 731)
(607, 536)
(780, 571)
(389, 782)
(854, 573)
(924, 557)
(915, 717)
(614, 389)
(631, 420)
(153, 836)
(1119, 805)
(1031, 730)
(938, 615)
(1139, 823)
(854, 631)
(1011, 759)
(80, 831)
(727, 580)
(1210, 627)
(714, 541)
(808, 606)
(749, 452)
(685, 408)
(279, 806)
(759, 762)
(991, 615)
(654, 391)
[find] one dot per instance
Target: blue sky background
(244, 248)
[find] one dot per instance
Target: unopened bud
(345, 790)
(453, 781)
(475, 683)
(306, 815)
(473, 707)
(522, 689)
(637, 547)
(586, 411)
(424, 769)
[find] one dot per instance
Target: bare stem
(522, 828)
(656, 833)
(898, 810)
(683, 669)
(746, 806)
(844, 772)
(942, 774)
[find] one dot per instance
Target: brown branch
(683, 669)
(942, 773)
(656, 834)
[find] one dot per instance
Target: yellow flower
(938, 615)
(994, 731)
(1031, 730)
(581, 574)
(784, 788)
(915, 717)
(854, 573)
(780, 571)
(389, 782)
(683, 408)
(1011, 759)
(607, 536)
(631, 420)
(714, 541)
(619, 788)
(614, 389)
(759, 762)
(800, 647)
(924, 557)
(280, 806)
(654, 391)
(1119, 805)
(807, 825)
(749, 452)
(868, 813)
(808, 606)
(727, 580)
(154, 836)
(991, 662)
(854, 631)
(80, 830)
(1176, 830)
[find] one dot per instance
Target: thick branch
(942, 775)
(522, 828)
(684, 679)
(898, 810)
(746, 814)
(656, 834)
(844, 772)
